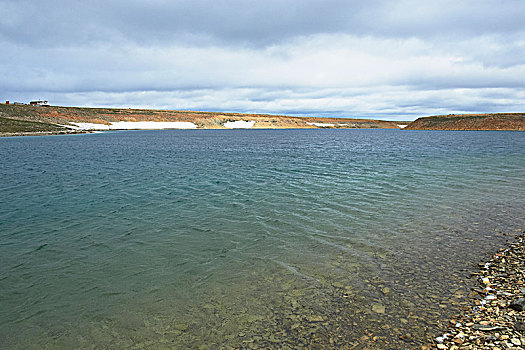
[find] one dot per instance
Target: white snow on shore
(151, 125)
(322, 125)
(87, 126)
(240, 124)
(134, 126)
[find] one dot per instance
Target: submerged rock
(519, 326)
(315, 318)
(378, 308)
(180, 326)
(518, 304)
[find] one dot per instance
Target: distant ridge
(492, 121)
(202, 120)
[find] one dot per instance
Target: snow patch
(87, 126)
(151, 125)
(322, 125)
(240, 124)
(133, 126)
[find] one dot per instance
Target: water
(248, 239)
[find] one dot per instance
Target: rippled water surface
(248, 239)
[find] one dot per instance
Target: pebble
(378, 308)
(180, 326)
(315, 318)
(496, 318)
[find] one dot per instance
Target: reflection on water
(248, 239)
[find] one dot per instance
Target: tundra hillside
(203, 120)
(15, 127)
(496, 121)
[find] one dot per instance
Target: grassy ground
(8, 125)
(489, 121)
(206, 120)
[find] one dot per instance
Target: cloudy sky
(382, 59)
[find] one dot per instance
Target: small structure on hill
(39, 103)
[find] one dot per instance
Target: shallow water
(248, 238)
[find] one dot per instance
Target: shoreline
(496, 316)
(119, 118)
(94, 131)
(44, 133)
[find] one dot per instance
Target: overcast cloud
(382, 59)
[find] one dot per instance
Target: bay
(248, 238)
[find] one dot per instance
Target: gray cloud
(251, 22)
(334, 57)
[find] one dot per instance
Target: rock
(314, 318)
(254, 318)
(273, 339)
(519, 326)
(378, 308)
(385, 290)
(495, 319)
(488, 328)
(518, 304)
(180, 326)
(458, 341)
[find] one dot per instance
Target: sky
(396, 60)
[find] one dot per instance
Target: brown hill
(497, 121)
(204, 120)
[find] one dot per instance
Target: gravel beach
(496, 319)
(43, 133)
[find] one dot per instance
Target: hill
(105, 117)
(496, 121)
(14, 126)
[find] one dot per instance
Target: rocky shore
(496, 319)
(43, 133)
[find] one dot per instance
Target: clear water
(248, 239)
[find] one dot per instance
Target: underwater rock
(378, 308)
(518, 304)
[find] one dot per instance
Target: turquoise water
(248, 239)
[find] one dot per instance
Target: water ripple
(205, 235)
